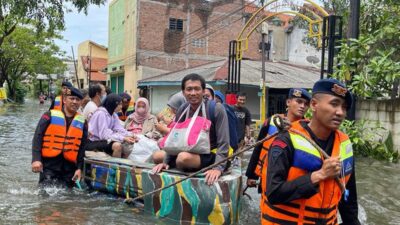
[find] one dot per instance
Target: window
(198, 43)
(175, 24)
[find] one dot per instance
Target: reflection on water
(22, 203)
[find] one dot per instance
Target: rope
(322, 152)
(131, 200)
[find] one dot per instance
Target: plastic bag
(143, 149)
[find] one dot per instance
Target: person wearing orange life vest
(58, 143)
(297, 105)
(128, 106)
(57, 103)
(301, 186)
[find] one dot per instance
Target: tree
(25, 53)
(373, 59)
(47, 14)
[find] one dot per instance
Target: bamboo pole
(131, 200)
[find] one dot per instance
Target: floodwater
(21, 202)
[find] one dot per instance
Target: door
(121, 84)
(114, 84)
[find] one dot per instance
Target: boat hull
(189, 202)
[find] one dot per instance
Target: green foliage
(20, 93)
(373, 59)
(374, 70)
(47, 14)
(369, 141)
(335, 7)
(25, 54)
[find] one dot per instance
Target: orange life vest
(58, 103)
(321, 208)
(58, 139)
(272, 129)
(262, 164)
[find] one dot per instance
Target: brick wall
(197, 44)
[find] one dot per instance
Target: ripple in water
(21, 202)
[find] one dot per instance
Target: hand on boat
(251, 182)
(212, 176)
(37, 167)
(160, 167)
(77, 175)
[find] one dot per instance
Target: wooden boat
(189, 202)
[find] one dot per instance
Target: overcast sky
(80, 27)
(93, 26)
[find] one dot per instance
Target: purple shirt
(103, 126)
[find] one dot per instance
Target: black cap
(125, 95)
(333, 87)
(74, 92)
(299, 93)
(66, 84)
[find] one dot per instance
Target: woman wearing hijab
(105, 131)
(141, 121)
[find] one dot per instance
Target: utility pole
(76, 71)
(354, 19)
(264, 33)
(90, 65)
(354, 33)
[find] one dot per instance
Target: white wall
(297, 50)
(387, 112)
(159, 97)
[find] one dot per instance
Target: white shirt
(89, 110)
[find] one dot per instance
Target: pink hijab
(140, 118)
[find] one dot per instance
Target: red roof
(98, 76)
(98, 64)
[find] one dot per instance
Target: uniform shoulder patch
(45, 117)
(279, 143)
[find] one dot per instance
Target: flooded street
(21, 203)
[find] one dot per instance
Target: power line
(181, 46)
(212, 24)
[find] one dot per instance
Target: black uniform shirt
(281, 191)
(57, 163)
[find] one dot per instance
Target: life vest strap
(280, 221)
(295, 215)
(53, 135)
(70, 138)
(282, 211)
(52, 148)
(68, 150)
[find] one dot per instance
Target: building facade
(152, 37)
(92, 63)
